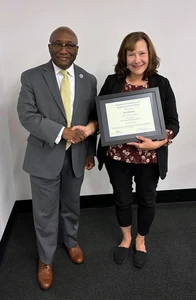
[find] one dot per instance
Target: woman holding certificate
(144, 161)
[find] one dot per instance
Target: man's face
(63, 57)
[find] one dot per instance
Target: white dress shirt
(71, 76)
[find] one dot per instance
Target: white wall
(7, 196)
(101, 25)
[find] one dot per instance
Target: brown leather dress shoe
(76, 254)
(44, 275)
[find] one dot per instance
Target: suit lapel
(79, 78)
(50, 78)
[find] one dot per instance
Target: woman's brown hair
(129, 43)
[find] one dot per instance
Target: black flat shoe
(121, 254)
(139, 258)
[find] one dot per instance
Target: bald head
(62, 30)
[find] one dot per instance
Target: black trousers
(146, 177)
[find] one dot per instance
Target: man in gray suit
(57, 169)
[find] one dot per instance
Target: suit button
(64, 123)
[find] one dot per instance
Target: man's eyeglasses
(58, 46)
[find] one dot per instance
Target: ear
(49, 47)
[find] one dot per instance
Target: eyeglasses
(58, 46)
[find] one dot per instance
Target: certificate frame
(128, 104)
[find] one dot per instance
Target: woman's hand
(87, 130)
(147, 144)
(74, 137)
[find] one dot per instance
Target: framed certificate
(123, 116)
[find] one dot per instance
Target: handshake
(79, 133)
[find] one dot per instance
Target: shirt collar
(70, 70)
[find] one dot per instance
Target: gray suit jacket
(41, 112)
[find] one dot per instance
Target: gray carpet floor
(170, 273)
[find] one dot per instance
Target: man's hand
(147, 144)
(89, 129)
(90, 163)
(75, 136)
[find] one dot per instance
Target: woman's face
(137, 60)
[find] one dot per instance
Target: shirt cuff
(59, 136)
(170, 136)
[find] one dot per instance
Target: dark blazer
(41, 112)
(114, 85)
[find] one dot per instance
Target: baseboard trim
(93, 201)
(106, 200)
(7, 232)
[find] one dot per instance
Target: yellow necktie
(65, 95)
